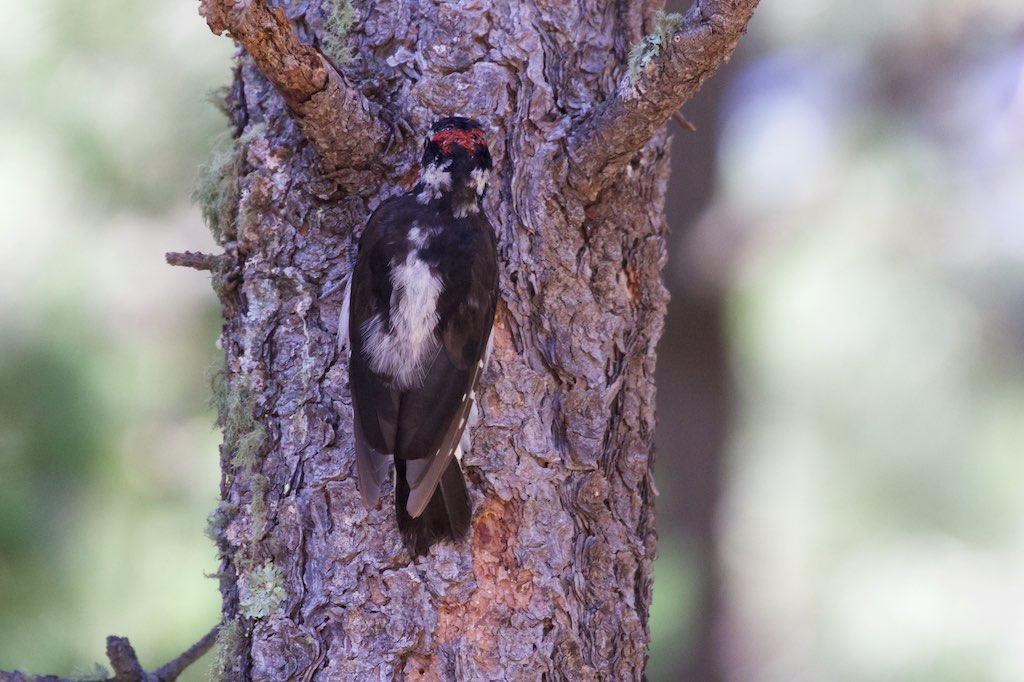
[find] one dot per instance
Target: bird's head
(456, 161)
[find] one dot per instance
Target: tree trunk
(554, 580)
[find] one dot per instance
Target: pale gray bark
(554, 581)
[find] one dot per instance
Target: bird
(417, 321)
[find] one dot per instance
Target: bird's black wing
(432, 417)
(374, 402)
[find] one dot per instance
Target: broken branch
(332, 114)
(193, 259)
(666, 69)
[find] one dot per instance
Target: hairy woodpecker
(420, 309)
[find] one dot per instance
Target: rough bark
(554, 581)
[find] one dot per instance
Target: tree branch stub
(603, 142)
(332, 114)
(194, 260)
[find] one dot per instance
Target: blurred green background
(841, 385)
(108, 454)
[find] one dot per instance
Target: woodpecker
(420, 308)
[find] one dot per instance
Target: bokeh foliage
(108, 455)
(869, 208)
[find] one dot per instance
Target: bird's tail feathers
(446, 516)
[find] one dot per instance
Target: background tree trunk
(554, 579)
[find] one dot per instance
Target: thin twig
(126, 666)
(173, 669)
(683, 122)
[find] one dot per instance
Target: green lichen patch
(227, 652)
(340, 18)
(248, 445)
(244, 436)
(244, 439)
(665, 25)
(219, 97)
(261, 591)
(260, 488)
(217, 521)
(219, 386)
(216, 190)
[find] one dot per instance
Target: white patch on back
(436, 180)
(463, 210)
(417, 236)
(404, 353)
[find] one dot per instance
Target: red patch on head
(470, 140)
